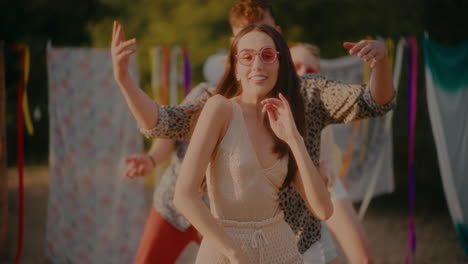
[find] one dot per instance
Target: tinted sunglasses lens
(246, 57)
(268, 55)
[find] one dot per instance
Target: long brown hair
(287, 84)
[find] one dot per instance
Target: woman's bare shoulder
(219, 107)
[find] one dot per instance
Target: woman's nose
(257, 63)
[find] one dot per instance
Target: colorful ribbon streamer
(24, 49)
(164, 92)
(156, 73)
(344, 168)
(174, 80)
(187, 72)
(412, 85)
(171, 67)
(390, 45)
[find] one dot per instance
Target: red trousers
(161, 242)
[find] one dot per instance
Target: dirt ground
(386, 226)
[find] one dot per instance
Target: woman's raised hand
(281, 118)
(372, 51)
(121, 51)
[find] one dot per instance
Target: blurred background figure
(344, 223)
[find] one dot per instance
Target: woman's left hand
(281, 118)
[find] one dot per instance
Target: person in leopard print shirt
(326, 102)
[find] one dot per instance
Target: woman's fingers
(129, 172)
(380, 55)
(264, 107)
(140, 169)
(281, 97)
(271, 100)
(137, 165)
(368, 50)
(369, 56)
(114, 26)
(124, 46)
(365, 50)
(357, 47)
(275, 105)
(122, 35)
(116, 35)
(119, 35)
(276, 108)
(132, 158)
(274, 102)
(125, 54)
(348, 45)
(272, 115)
(272, 108)
(284, 100)
(128, 159)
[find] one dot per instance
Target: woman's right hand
(121, 51)
(281, 118)
(138, 165)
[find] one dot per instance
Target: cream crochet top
(238, 187)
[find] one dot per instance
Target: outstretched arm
(209, 130)
(329, 101)
(374, 52)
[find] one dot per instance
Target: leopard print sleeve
(336, 102)
(325, 102)
(174, 121)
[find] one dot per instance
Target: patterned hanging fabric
(95, 213)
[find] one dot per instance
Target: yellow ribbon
(390, 51)
(346, 161)
(27, 115)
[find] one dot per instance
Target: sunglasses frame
(258, 53)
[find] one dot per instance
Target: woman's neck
(251, 107)
(249, 99)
